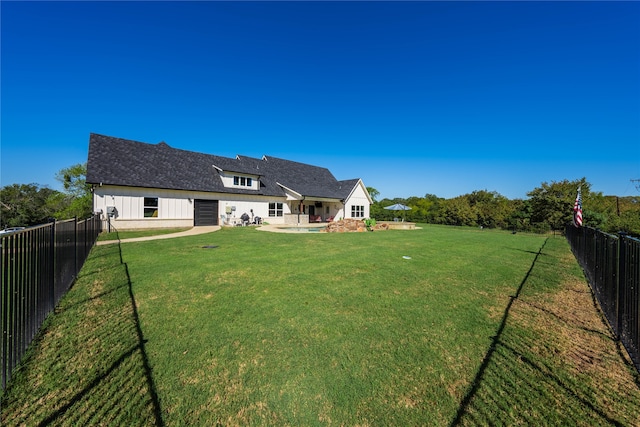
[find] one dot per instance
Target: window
(242, 181)
(275, 209)
(150, 207)
(357, 211)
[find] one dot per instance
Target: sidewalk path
(191, 232)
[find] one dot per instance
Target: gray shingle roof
(117, 161)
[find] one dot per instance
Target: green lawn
(476, 328)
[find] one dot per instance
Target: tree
(549, 207)
(552, 204)
(519, 218)
(25, 205)
(457, 211)
(373, 193)
(379, 212)
(491, 209)
(426, 208)
(29, 204)
(628, 222)
(622, 214)
(77, 200)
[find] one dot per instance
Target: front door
(205, 212)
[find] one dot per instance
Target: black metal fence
(37, 267)
(612, 266)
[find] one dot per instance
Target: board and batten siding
(359, 197)
(175, 208)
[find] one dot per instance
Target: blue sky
(415, 98)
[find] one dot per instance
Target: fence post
(75, 247)
(620, 300)
(34, 264)
(4, 306)
(52, 255)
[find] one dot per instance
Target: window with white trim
(275, 209)
(150, 207)
(357, 211)
(242, 181)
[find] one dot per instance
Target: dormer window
(239, 181)
(242, 181)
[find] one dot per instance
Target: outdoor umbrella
(399, 207)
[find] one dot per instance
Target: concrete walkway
(191, 232)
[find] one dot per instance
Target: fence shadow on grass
(492, 348)
(523, 379)
(89, 366)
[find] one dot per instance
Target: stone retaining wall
(351, 225)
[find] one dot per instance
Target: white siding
(175, 208)
(129, 202)
(359, 197)
(227, 181)
(246, 203)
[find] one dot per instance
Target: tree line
(547, 208)
(23, 205)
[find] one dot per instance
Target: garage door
(206, 212)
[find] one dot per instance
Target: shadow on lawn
(523, 379)
(89, 366)
(496, 340)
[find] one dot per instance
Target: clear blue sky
(415, 98)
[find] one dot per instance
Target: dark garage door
(206, 212)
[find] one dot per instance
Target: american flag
(577, 210)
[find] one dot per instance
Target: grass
(477, 328)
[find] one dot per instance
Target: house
(141, 185)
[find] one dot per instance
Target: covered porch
(313, 211)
